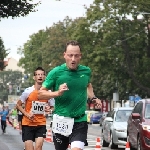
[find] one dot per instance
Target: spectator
(4, 113)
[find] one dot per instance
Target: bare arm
(43, 93)
(19, 107)
(90, 91)
(92, 96)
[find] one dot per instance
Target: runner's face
(39, 76)
(72, 56)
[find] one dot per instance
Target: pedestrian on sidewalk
(34, 120)
(71, 86)
(4, 114)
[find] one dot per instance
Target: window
(147, 111)
(138, 108)
(122, 115)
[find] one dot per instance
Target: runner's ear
(33, 77)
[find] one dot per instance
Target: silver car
(115, 128)
(104, 115)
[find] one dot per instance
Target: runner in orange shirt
(34, 121)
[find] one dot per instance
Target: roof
(145, 100)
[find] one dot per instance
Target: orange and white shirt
(37, 107)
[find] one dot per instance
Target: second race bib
(62, 125)
(38, 107)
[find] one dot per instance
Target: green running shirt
(14, 112)
(73, 102)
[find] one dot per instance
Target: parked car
(107, 118)
(104, 115)
(95, 117)
(115, 127)
(138, 128)
(89, 113)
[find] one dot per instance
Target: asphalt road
(94, 131)
(12, 140)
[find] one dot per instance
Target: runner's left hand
(97, 102)
(47, 109)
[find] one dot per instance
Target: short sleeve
(26, 94)
(50, 79)
(51, 102)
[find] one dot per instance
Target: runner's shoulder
(29, 89)
(57, 69)
(84, 68)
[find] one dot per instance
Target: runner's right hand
(30, 115)
(62, 88)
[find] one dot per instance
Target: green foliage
(114, 46)
(16, 8)
(45, 48)
(3, 54)
(13, 78)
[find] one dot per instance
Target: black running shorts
(79, 133)
(20, 118)
(32, 132)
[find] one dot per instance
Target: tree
(126, 39)
(116, 48)
(3, 54)
(9, 80)
(46, 47)
(16, 8)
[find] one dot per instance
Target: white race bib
(62, 125)
(38, 107)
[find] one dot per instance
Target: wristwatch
(91, 100)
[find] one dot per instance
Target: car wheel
(112, 145)
(139, 143)
(105, 144)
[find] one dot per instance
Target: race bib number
(62, 125)
(38, 107)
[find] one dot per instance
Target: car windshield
(147, 111)
(122, 115)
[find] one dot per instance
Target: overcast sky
(15, 32)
